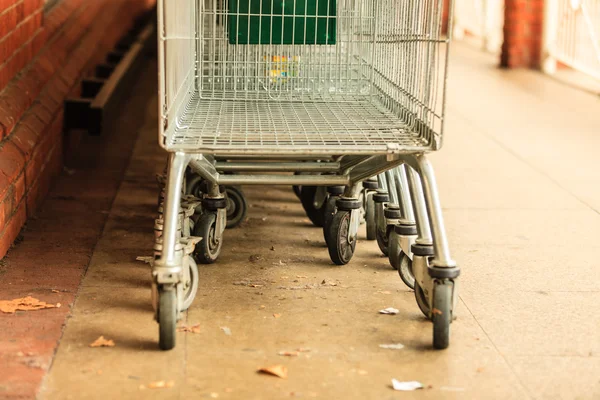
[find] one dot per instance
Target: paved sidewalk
(519, 182)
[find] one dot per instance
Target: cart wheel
(340, 246)
(190, 288)
(328, 214)
(383, 240)
(442, 315)
(297, 190)
(394, 249)
(370, 217)
(422, 301)
(236, 206)
(167, 318)
(307, 197)
(194, 186)
(405, 270)
(208, 249)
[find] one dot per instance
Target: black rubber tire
(194, 186)
(208, 249)
(340, 249)
(422, 301)
(307, 197)
(405, 271)
(442, 315)
(383, 240)
(237, 207)
(297, 190)
(370, 217)
(394, 249)
(328, 214)
(189, 293)
(167, 318)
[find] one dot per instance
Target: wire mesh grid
(310, 73)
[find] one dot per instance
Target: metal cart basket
(326, 93)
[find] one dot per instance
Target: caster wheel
(370, 217)
(307, 197)
(194, 186)
(383, 240)
(237, 207)
(394, 249)
(422, 301)
(167, 318)
(190, 288)
(328, 214)
(341, 247)
(442, 315)
(405, 270)
(208, 249)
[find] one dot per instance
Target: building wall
(46, 46)
(523, 34)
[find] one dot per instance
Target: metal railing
(482, 20)
(573, 36)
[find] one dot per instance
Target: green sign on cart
(282, 22)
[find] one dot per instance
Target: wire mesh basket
(325, 76)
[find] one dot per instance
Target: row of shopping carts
(340, 98)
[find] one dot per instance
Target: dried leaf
(161, 385)
(102, 342)
(329, 283)
(277, 315)
(23, 304)
(406, 386)
(272, 248)
(389, 311)
(435, 311)
(55, 291)
(289, 353)
(301, 277)
(191, 329)
(275, 370)
(261, 307)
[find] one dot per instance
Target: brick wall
(43, 55)
(523, 33)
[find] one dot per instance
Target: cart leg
(167, 271)
(343, 228)
(435, 271)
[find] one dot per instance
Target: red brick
(12, 229)
(25, 139)
(12, 162)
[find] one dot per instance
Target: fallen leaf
(161, 384)
(394, 346)
(23, 304)
(191, 329)
(277, 315)
(261, 307)
(329, 283)
(389, 311)
(289, 353)
(435, 311)
(406, 386)
(101, 342)
(275, 370)
(226, 330)
(272, 248)
(301, 276)
(256, 286)
(55, 291)
(384, 292)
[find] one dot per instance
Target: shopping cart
(311, 93)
